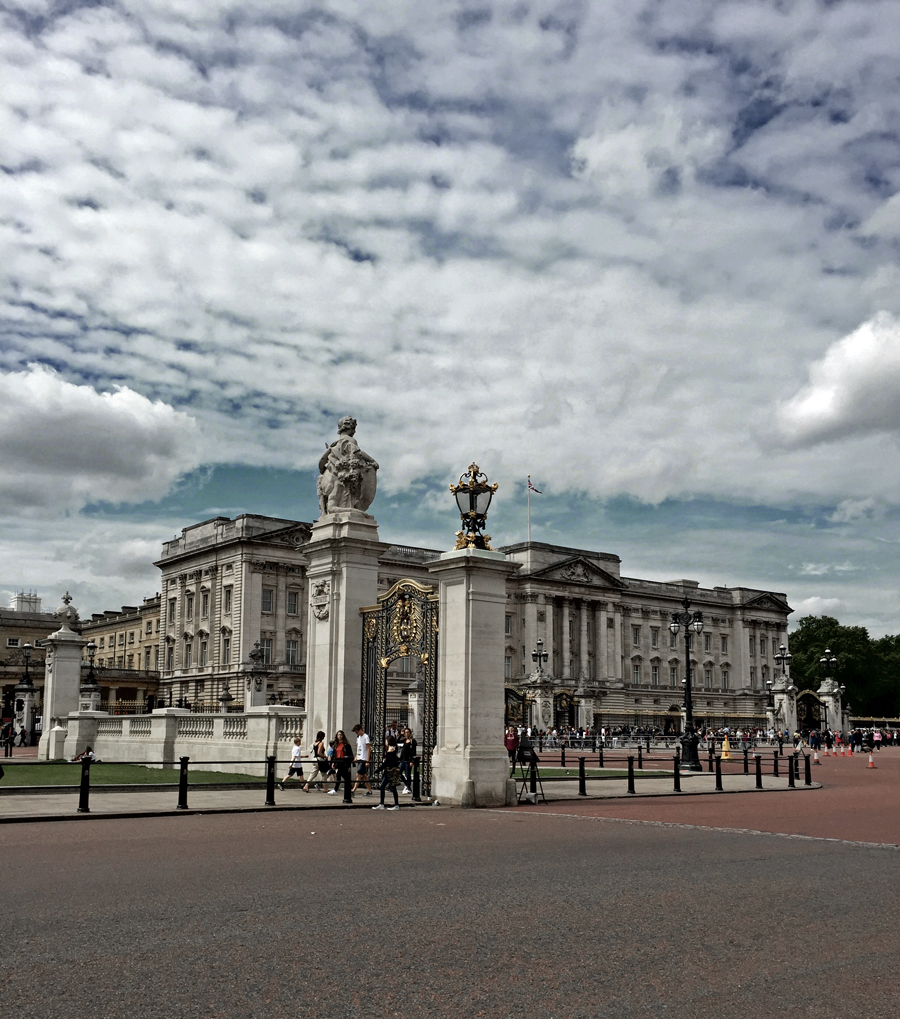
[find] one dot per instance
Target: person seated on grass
(89, 755)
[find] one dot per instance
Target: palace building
(234, 610)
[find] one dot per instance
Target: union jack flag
(531, 487)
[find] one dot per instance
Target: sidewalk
(206, 799)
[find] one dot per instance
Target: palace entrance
(403, 625)
(565, 710)
(810, 711)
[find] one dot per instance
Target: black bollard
(532, 778)
(582, 780)
(676, 773)
(600, 758)
(594, 744)
(712, 754)
(775, 763)
(270, 781)
(631, 774)
(640, 758)
(84, 793)
(648, 744)
(718, 774)
(562, 757)
(790, 765)
(746, 760)
(348, 793)
(541, 744)
(417, 782)
(807, 771)
(758, 770)
(182, 784)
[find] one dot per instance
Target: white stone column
(548, 631)
(584, 669)
(565, 664)
(342, 574)
(470, 764)
(62, 674)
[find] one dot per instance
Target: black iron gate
(809, 711)
(403, 625)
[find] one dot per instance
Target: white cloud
(818, 606)
(62, 445)
(850, 510)
(854, 389)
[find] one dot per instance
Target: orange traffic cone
(871, 761)
(816, 757)
(842, 751)
(850, 750)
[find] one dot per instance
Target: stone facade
(22, 623)
(229, 583)
(128, 648)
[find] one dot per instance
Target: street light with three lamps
(690, 741)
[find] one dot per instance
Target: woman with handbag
(390, 773)
(319, 755)
(343, 761)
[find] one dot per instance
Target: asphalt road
(442, 913)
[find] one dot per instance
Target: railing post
(562, 756)
(270, 781)
(775, 763)
(712, 754)
(807, 771)
(648, 744)
(676, 773)
(746, 760)
(416, 781)
(582, 779)
(600, 758)
(348, 795)
(84, 793)
(758, 770)
(631, 774)
(532, 778)
(718, 774)
(790, 765)
(182, 784)
(640, 758)
(540, 744)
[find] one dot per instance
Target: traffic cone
(726, 750)
(871, 760)
(842, 751)
(816, 757)
(850, 750)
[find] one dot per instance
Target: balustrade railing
(196, 726)
(234, 728)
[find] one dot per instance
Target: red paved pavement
(855, 803)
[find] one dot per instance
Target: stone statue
(347, 476)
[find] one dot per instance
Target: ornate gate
(404, 624)
(809, 711)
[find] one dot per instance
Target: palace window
(293, 603)
(723, 642)
(266, 645)
(204, 604)
(189, 607)
(707, 642)
(149, 626)
(654, 637)
(673, 675)
(226, 650)
(763, 645)
(131, 661)
(707, 678)
(291, 651)
(226, 592)
(203, 652)
(188, 654)
(725, 678)
(12, 641)
(170, 658)
(636, 636)
(268, 599)
(170, 615)
(121, 638)
(147, 659)
(654, 675)
(636, 674)
(752, 644)
(673, 637)
(131, 636)
(102, 639)
(507, 665)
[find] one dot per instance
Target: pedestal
(470, 765)
(62, 680)
(343, 554)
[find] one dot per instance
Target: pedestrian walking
(296, 767)
(343, 761)
(407, 757)
(511, 742)
(363, 756)
(320, 755)
(390, 774)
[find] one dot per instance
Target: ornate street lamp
(770, 684)
(25, 692)
(540, 657)
(783, 658)
(473, 498)
(690, 741)
(90, 688)
(827, 663)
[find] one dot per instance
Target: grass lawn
(113, 774)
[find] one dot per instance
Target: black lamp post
(690, 741)
(783, 658)
(827, 664)
(539, 656)
(25, 689)
(90, 688)
(473, 497)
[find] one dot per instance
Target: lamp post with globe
(689, 622)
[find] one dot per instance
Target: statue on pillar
(347, 475)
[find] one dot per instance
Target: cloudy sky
(647, 252)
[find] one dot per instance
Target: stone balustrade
(229, 742)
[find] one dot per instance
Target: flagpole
(528, 490)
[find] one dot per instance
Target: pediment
(578, 570)
(293, 535)
(769, 601)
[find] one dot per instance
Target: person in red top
(511, 742)
(343, 761)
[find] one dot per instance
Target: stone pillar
(584, 668)
(342, 572)
(470, 764)
(565, 642)
(548, 630)
(530, 609)
(62, 673)
(618, 669)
